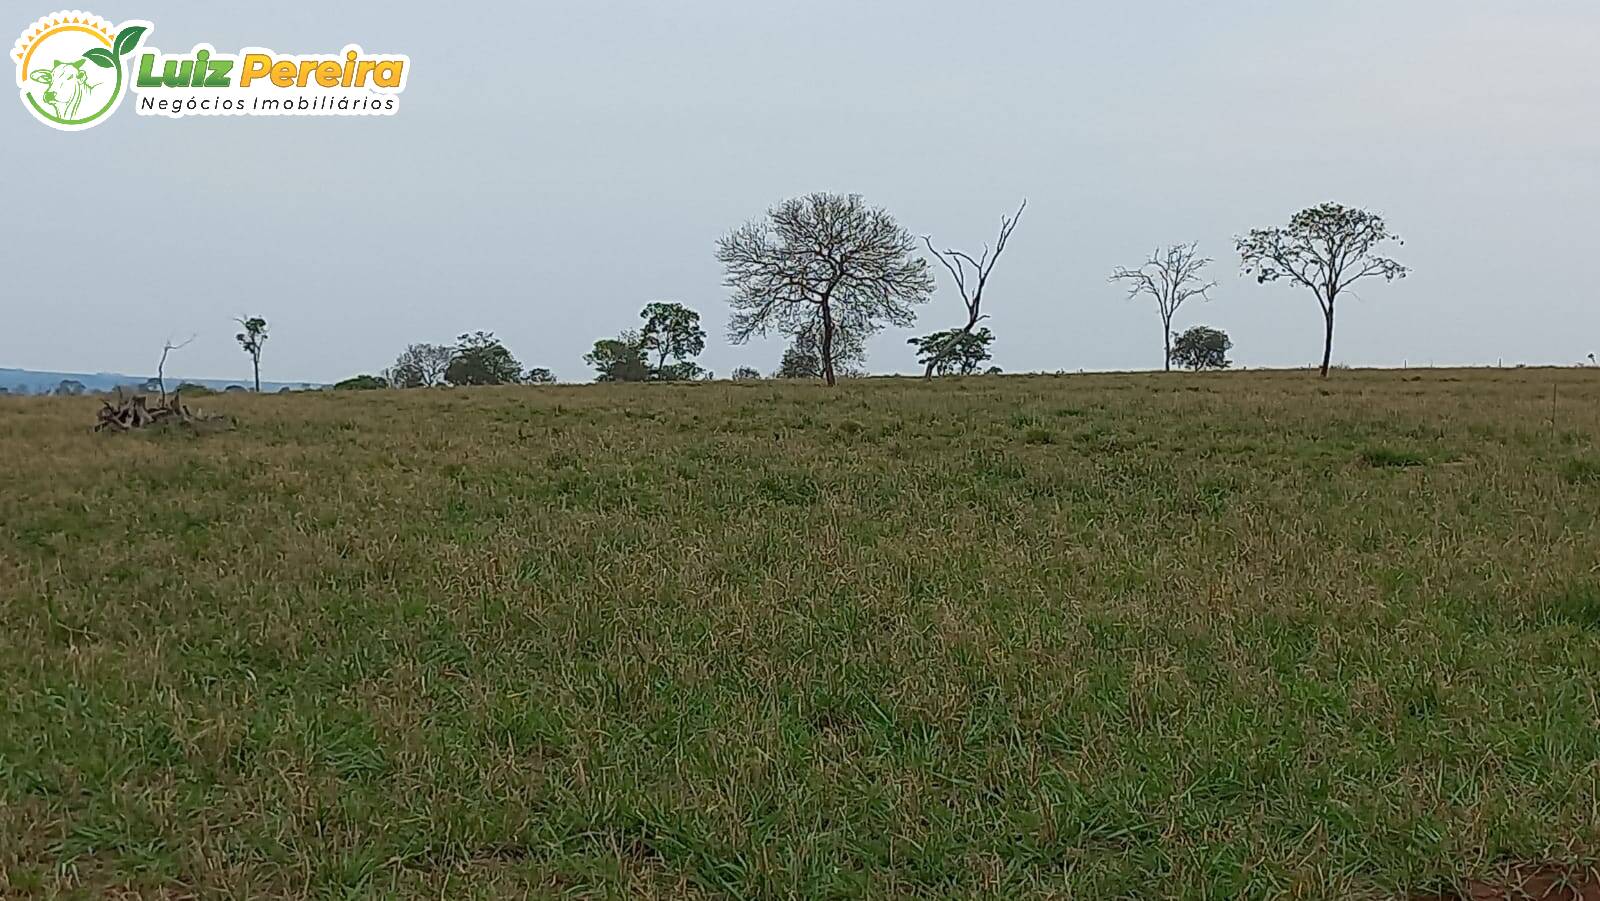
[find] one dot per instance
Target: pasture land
(1239, 635)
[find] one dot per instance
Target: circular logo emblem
(73, 67)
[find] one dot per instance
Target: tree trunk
(257, 361)
(948, 348)
(827, 345)
(1166, 338)
(1327, 343)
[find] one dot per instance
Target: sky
(554, 167)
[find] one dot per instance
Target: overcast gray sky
(554, 167)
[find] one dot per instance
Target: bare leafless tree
(161, 368)
(971, 277)
(826, 262)
(422, 366)
(1171, 277)
(1325, 249)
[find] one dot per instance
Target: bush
(1388, 457)
(362, 383)
(1582, 471)
(1202, 348)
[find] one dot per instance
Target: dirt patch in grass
(1529, 883)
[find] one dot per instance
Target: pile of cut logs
(135, 412)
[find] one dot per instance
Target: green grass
(1582, 470)
(1392, 457)
(1089, 636)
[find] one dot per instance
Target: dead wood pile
(135, 412)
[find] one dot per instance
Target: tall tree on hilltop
(481, 359)
(1325, 249)
(823, 262)
(253, 339)
(672, 332)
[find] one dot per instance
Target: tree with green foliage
(1201, 348)
(746, 374)
(539, 376)
(1325, 249)
(672, 332)
(953, 352)
(686, 371)
(823, 263)
(253, 339)
(619, 359)
(362, 383)
(481, 359)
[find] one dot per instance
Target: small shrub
(789, 489)
(1038, 436)
(1390, 458)
(1582, 471)
(1024, 420)
(1579, 606)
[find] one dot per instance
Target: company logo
(73, 69)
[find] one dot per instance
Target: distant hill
(27, 381)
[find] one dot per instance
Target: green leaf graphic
(101, 57)
(128, 38)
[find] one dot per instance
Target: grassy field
(1241, 635)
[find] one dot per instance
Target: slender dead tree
(1170, 277)
(826, 263)
(1325, 249)
(161, 368)
(971, 277)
